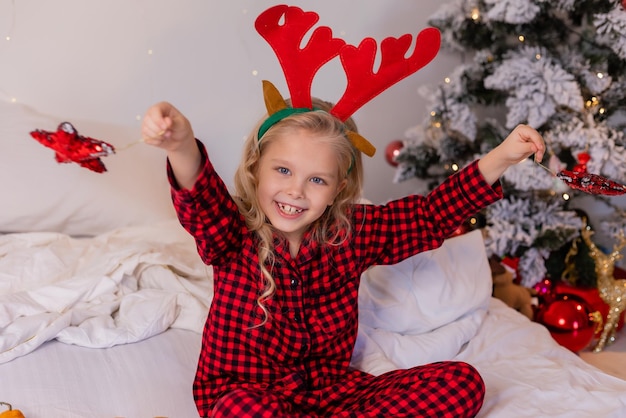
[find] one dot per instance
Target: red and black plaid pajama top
(297, 364)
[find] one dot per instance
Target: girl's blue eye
(318, 180)
(283, 170)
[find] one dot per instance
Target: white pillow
(427, 290)
(40, 194)
(424, 309)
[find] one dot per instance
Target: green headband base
(278, 116)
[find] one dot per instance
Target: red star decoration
(72, 147)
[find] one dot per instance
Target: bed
(103, 298)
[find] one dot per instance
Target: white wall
(78, 59)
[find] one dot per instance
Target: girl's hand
(166, 127)
(521, 143)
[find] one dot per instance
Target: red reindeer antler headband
(301, 64)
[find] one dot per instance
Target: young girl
(287, 254)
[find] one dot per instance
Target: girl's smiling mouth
(288, 209)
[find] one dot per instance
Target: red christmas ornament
(545, 291)
(624, 4)
(591, 295)
(583, 159)
(578, 178)
(569, 320)
(69, 146)
(392, 150)
(591, 183)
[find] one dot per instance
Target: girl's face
(298, 178)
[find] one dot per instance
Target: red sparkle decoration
(578, 178)
(69, 146)
(591, 183)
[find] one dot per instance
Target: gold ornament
(569, 274)
(612, 291)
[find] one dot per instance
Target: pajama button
(294, 283)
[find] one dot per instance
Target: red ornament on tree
(569, 320)
(583, 159)
(624, 4)
(392, 150)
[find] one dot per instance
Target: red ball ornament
(392, 150)
(624, 4)
(545, 291)
(569, 320)
(583, 159)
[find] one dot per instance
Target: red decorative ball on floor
(392, 150)
(569, 320)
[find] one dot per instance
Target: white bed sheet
(143, 369)
(151, 378)
(527, 374)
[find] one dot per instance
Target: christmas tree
(556, 65)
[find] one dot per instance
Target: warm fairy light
(13, 99)
(593, 101)
(537, 56)
(255, 73)
(565, 196)
(433, 113)
(600, 75)
(602, 111)
(150, 52)
(8, 38)
(475, 14)
(447, 80)
(521, 38)
(455, 167)
(473, 221)
(437, 124)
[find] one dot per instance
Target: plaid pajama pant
(444, 389)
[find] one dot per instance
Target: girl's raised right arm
(167, 128)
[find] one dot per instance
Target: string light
(591, 102)
(475, 15)
(447, 80)
(600, 75)
(566, 196)
(521, 38)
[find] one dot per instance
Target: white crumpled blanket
(116, 288)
